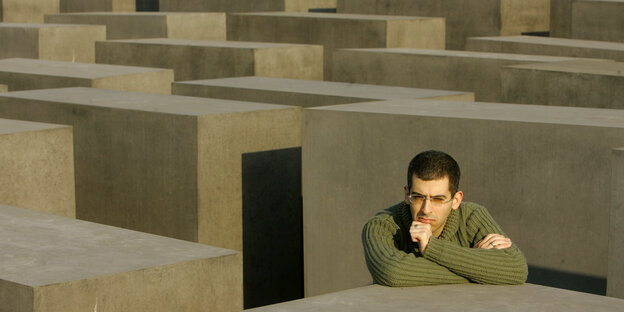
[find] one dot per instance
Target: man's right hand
(420, 233)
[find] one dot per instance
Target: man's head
(432, 189)
(434, 165)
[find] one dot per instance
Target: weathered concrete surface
(27, 11)
(58, 264)
(615, 276)
(464, 18)
(598, 20)
(162, 164)
(561, 18)
(74, 43)
(197, 26)
(37, 166)
(305, 93)
(202, 59)
(4, 88)
(525, 163)
(548, 46)
(338, 31)
(598, 84)
(98, 5)
(527, 297)
(477, 72)
(244, 5)
(29, 74)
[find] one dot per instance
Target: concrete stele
(162, 164)
(73, 43)
(37, 165)
(466, 297)
(464, 18)
(244, 5)
(27, 11)
(338, 31)
(57, 264)
(548, 46)
(615, 277)
(195, 26)
(305, 93)
(431, 69)
(561, 18)
(98, 6)
(598, 20)
(29, 74)
(4, 88)
(542, 156)
(587, 83)
(202, 59)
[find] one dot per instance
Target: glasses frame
(414, 197)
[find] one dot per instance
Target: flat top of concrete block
(618, 1)
(34, 25)
(470, 54)
(8, 126)
(563, 42)
(70, 69)
(321, 87)
(41, 249)
(157, 103)
(465, 297)
(337, 16)
(211, 43)
(137, 14)
(602, 67)
(595, 117)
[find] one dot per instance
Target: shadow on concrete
(567, 280)
(272, 227)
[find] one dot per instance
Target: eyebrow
(416, 193)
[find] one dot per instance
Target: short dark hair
(433, 165)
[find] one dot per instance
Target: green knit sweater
(394, 260)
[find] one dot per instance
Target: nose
(426, 206)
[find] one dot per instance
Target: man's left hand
(494, 241)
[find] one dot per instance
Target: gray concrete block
(27, 11)
(337, 31)
(548, 46)
(527, 297)
(305, 93)
(598, 20)
(561, 18)
(464, 18)
(202, 59)
(57, 264)
(615, 275)
(469, 71)
(37, 165)
(525, 163)
(598, 84)
(98, 5)
(197, 26)
(244, 5)
(28, 74)
(162, 164)
(74, 43)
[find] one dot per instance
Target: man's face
(435, 211)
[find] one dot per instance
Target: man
(434, 238)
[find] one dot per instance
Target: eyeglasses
(435, 201)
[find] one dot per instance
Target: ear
(457, 199)
(407, 192)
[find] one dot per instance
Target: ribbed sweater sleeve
(484, 266)
(394, 260)
(391, 266)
